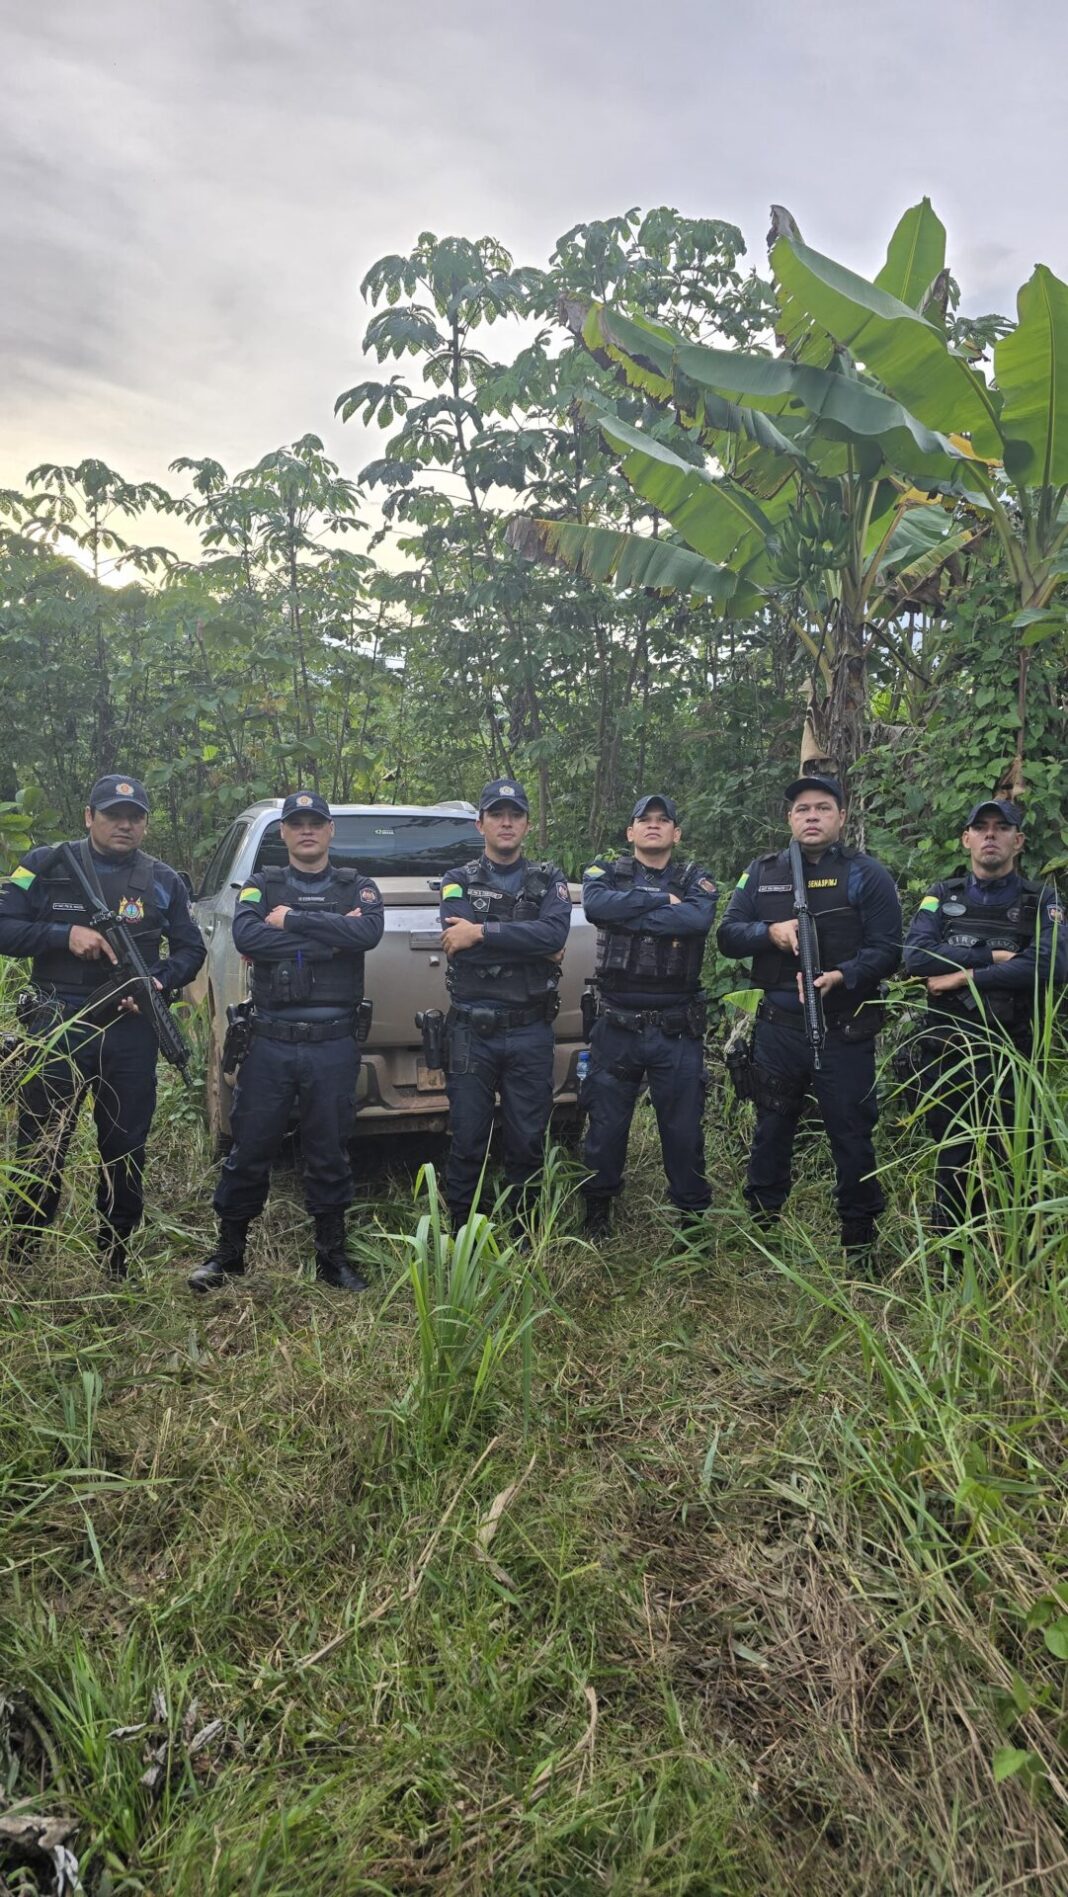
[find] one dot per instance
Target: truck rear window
(389, 845)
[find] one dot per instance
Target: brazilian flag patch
(450, 890)
(251, 894)
(742, 880)
(595, 869)
(931, 903)
(23, 877)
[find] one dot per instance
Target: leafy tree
(792, 475)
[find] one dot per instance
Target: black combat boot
(695, 1225)
(598, 1220)
(858, 1243)
(111, 1250)
(331, 1258)
(227, 1260)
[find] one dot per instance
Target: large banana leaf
(631, 561)
(915, 256)
(730, 388)
(1032, 370)
(717, 518)
(900, 348)
(645, 355)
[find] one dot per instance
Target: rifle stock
(809, 954)
(130, 963)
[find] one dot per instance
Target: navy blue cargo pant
(516, 1063)
(976, 1092)
(319, 1079)
(844, 1090)
(118, 1067)
(674, 1065)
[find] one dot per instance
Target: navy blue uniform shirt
(870, 889)
(23, 901)
(927, 954)
(543, 936)
(644, 907)
(316, 934)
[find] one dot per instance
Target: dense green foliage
(383, 638)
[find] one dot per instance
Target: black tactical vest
(128, 888)
(661, 964)
(514, 984)
(966, 924)
(838, 926)
(337, 983)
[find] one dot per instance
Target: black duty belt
(786, 1018)
(489, 1020)
(635, 1020)
(303, 1031)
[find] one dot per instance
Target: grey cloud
(189, 195)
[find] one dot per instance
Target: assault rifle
(132, 979)
(808, 949)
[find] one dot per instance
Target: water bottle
(582, 1066)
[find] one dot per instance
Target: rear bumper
(388, 1095)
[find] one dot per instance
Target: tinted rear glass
(390, 845)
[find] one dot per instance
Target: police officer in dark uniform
(988, 944)
(504, 926)
(652, 912)
(43, 916)
(305, 929)
(855, 906)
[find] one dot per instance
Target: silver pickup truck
(407, 849)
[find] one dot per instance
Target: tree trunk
(833, 736)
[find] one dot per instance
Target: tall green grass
(551, 1570)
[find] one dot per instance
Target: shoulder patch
(451, 889)
(931, 903)
(742, 880)
(251, 894)
(368, 893)
(563, 892)
(595, 869)
(23, 877)
(1055, 912)
(705, 882)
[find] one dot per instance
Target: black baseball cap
(1004, 807)
(118, 789)
(305, 803)
(503, 790)
(671, 810)
(811, 782)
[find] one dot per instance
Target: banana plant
(803, 474)
(1016, 426)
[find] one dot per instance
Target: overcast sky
(191, 190)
